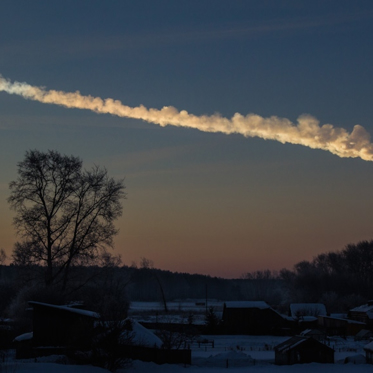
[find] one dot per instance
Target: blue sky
(200, 202)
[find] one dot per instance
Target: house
(62, 325)
(253, 317)
(363, 314)
(56, 329)
(369, 353)
(299, 350)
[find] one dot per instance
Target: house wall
(309, 351)
(54, 327)
(252, 321)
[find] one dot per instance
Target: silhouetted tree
(64, 213)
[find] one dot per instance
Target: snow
(144, 336)
(364, 308)
(247, 304)
(243, 352)
(20, 367)
(24, 337)
(141, 367)
(369, 346)
(225, 360)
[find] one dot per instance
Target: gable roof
(365, 308)
(296, 341)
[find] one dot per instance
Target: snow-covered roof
(365, 308)
(295, 341)
(290, 343)
(92, 314)
(309, 332)
(369, 346)
(24, 337)
(247, 304)
(144, 336)
(307, 309)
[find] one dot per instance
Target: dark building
(300, 350)
(62, 325)
(340, 326)
(253, 317)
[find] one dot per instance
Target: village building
(253, 317)
(56, 329)
(63, 330)
(334, 325)
(300, 350)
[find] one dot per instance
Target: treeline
(340, 280)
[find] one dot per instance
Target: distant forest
(340, 280)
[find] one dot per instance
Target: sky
(287, 180)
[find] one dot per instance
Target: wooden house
(300, 350)
(363, 313)
(253, 317)
(340, 326)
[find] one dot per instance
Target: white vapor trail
(306, 132)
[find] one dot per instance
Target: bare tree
(64, 213)
(2, 256)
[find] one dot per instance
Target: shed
(340, 326)
(299, 350)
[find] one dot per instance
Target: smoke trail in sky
(306, 132)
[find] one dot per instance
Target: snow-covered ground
(140, 367)
(239, 353)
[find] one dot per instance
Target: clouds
(307, 131)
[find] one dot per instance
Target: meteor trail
(307, 131)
